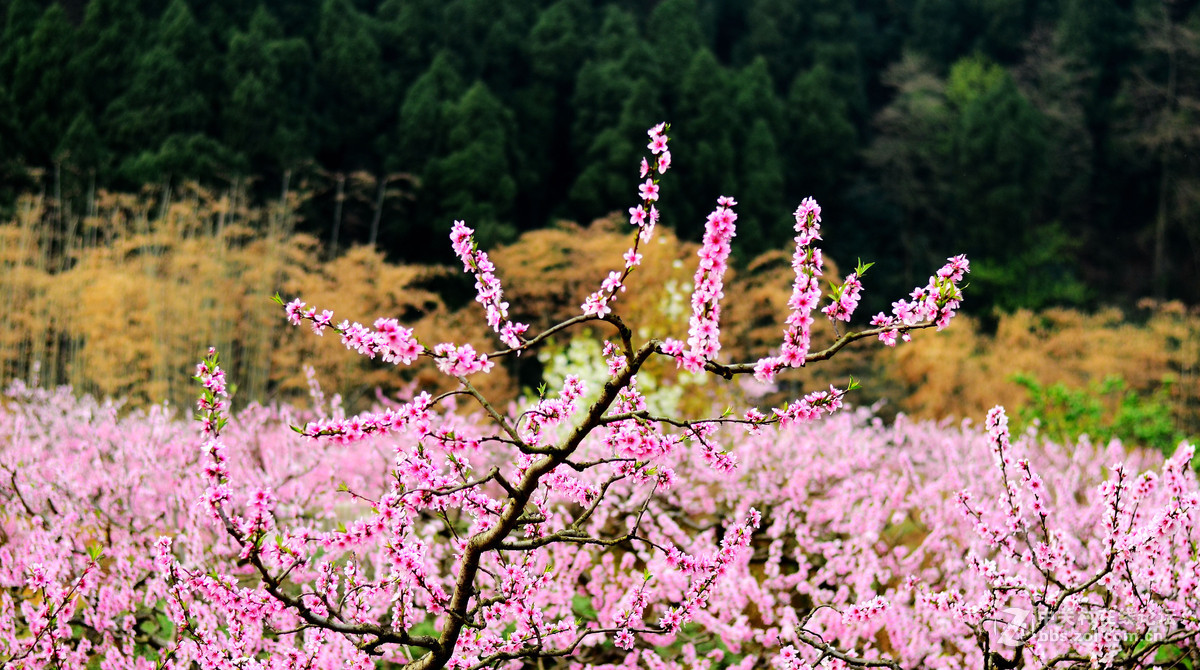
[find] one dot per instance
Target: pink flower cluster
(810, 407)
(212, 404)
(705, 572)
(298, 312)
(935, 302)
(542, 418)
(390, 341)
(863, 612)
(808, 264)
(845, 298)
(861, 544)
(460, 361)
(704, 327)
(394, 343)
(414, 415)
(643, 215)
(489, 293)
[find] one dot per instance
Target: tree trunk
(380, 195)
(1164, 183)
(283, 196)
(337, 214)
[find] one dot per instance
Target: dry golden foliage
(755, 315)
(548, 273)
(123, 301)
(963, 373)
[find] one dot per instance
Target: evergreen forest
(1055, 142)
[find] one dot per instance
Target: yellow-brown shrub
(121, 302)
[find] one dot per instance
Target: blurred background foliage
(1054, 141)
(166, 165)
(120, 303)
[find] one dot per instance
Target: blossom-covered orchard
(865, 548)
(580, 529)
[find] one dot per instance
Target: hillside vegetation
(1053, 141)
(117, 304)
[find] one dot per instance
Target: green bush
(1103, 411)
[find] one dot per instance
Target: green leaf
(582, 607)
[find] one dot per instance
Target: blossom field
(584, 525)
(887, 542)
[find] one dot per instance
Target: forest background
(165, 166)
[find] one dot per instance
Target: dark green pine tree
(161, 125)
(1100, 38)
(763, 219)
(608, 180)
(467, 24)
(44, 89)
(264, 115)
(1056, 86)
(819, 137)
(351, 108)
(795, 35)
(111, 37)
(299, 18)
(755, 97)
(1101, 35)
(412, 32)
(675, 35)
(760, 169)
(615, 102)
(423, 124)
(838, 50)
(473, 181)
(601, 91)
(912, 161)
(20, 20)
(419, 139)
(606, 79)
(506, 66)
(938, 30)
(1000, 155)
(777, 29)
(703, 139)
(82, 150)
(10, 152)
(1000, 152)
(1005, 25)
(558, 44)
